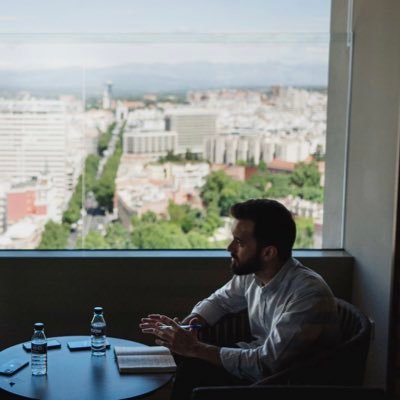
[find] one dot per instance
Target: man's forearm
(207, 352)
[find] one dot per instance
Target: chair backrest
(285, 392)
(343, 365)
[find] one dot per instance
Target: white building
(107, 95)
(33, 141)
(192, 127)
(230, 148)
(25, 234)
(189, 175)
(146, 119)
(121, 112)
(151, 143)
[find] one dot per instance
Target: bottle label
(98, 330)
(39, 348)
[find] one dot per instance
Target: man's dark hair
(273, 223)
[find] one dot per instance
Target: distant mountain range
(136, 79)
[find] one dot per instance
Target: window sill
(4, 254)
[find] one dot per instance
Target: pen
(190, 326)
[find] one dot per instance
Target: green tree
(149, 216)
(279, 186)
(259, 181)
(229, 195)
(197, 240)
(177, 213)
(306, 175)
(310, 193)
(91, 166)
(73, 212)
(105, 138)
(262, 166)
(55, 236)
(183, 216)
(250, 191)
(211, 221)
(214, 184)
(94, 240)
(306, 182)
(219, 190)
(105, 187)
(305, 233)
(162, 235)
(241, 163)
(117, 236)
(223, 191)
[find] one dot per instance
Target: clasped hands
(169, 333)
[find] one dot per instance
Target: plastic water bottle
(98, 332)
(39, 350)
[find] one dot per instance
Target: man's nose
(230, 246)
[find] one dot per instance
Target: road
(93, 217)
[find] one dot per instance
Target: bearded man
(292, 311)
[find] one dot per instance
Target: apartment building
(33, 141)
(192, 127)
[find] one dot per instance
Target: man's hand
(170, 334)
(181, 341)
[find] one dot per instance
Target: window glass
(136, 125)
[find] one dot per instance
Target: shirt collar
(278, 278)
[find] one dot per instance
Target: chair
(343, 365)
(289, 392)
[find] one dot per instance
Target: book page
(138, 350)
(146, 363)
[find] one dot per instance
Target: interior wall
(373, 167)
(62, 291)
(336, 129)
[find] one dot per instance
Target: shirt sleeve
(299, 328)
(228, 299)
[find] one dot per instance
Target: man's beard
(245, 268)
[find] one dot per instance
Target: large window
(136, 125)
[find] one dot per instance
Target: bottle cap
(98, 310)
(39, 326)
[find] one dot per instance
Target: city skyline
(121, 152)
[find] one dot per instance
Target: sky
(53, 34)
(29, 16)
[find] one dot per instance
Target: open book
(140, 359)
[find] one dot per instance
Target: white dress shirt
(292, 316)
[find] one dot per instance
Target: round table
(76, 375)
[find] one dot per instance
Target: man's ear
(269, 252)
